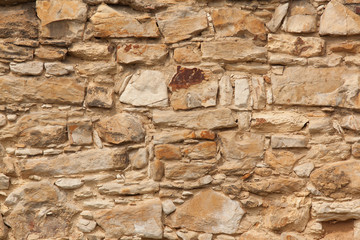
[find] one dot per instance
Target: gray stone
(58, 68)
(34, 68)
(90, 51)
(242, 93)
(80, 133)
(69, 183)
(3, 120)
(85, 225)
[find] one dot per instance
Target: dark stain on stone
(185, 77)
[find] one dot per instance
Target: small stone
(98, 204)
(50, 53)
(291, 141)
(320, 125)
(69, 183)
(286, 59)
(2, 120)
(95, 68)
(170, 234)
(157, 169)
(85, 225)
(34, 68)
(99, 96)
(278, 16)
(42, 136)
(51, 151)
(225, 91)
(340, 211)
(205, 236)
(139, 158)
(4, 182)
(90, 51)
(87, 215)
(355, 150)
(168, 206)
(187, 235)
(188, 54)
(302, 18)
(80, 133)
(148, 54)
(114, 188)
(167, 152)
(304, 170)
(58, 69)
(242, 93)
(97, 139)
(28, 152)
(204, 150)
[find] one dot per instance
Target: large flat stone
(337, 87)
(148, 54)
(208, 119)
(82, 162)
(208, 211)
(143, 219)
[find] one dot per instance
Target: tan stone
(42, 136)
(172, 136)
(143, 219)
(346, 46)
(351, 122)
(139, 158)
(355, 150)
(157, 169)
(58, 69)
(150, 5)
(332, 60)
(286, 59)
(188, 54)
(235, 22)
(222, 214)
(321, 154)
(203, 150)
(187, 171)
(114, 188)
(233, 51)
(275, 185)
(297, 46)
(3, 228)
(120, 128)
(341, 211)
(95, 68)
(167, 152)
(148, 54)
(80, 133)
(278, 16)
(108, 22)
(181, 23)
(300, 24)
(99, 96)
(10, 51)
(289, 141)
(90, 51)
(50, 53)
(282, 161)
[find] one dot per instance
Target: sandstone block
(85, 225)
(10, 51)
(304, 170)
(157, 169)
(139, 158)
(4, 182)
(80, 133)
(242, 93)
(42, 136)
(203, 150)
(50, 53)
(272, 185)
(58, 69)
(167, 152)
(168, 206)
(286, 59)
(69, 183)
(188, 54)
(300, 24)
(113, 188)
(90, 51)
(148, 54)
(33, 68)
(278, 16)
(341, 211)
(95, 68)
(225, 91)
(288, 141)
(99, 204)
(187, 171)
(99, 96)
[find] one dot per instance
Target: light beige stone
(113, 188)
(58, 69)
(321, 154)
(69, 183)
(281, 161)
(80, 133)
(278, 16)
(98, 204)
(50, 53)
(225, 91)
(203, 150)
(289, 141)
(148, 54)
(139, 158)
(286, 59)
(271, 185)
(341, 211)
(33, 68)
(90, 51)
(168, 206)
(300, 24)
(95, 68)
(188, 54)
(85, 225)
(187, 171)
(242, 93)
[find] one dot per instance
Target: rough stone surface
(291, 141)
(341, 211)
(90, 51)
(149, 54)
(10, 51)
(80, 133)
(114, 188)
(29, 68)
(99, 96)
(278, 16)
(69, 183)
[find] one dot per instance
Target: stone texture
(167, 152)
(42, 136)
(188, 54)
(143, 219)
(208, 119)
(113, 188)
(278, 16)
(168, 206)
(148, 54)
(90, 51)
(187, 171)
(223, 217)
(340, 211)
(282, 161)
(350, 122)
(289, 141)
(109, 22)
(50, 53)
(304, 170)
(10, 51)
(120, 128)
(146, 88)
(203, 150)
(139, 158)
(181, 23)
(69, 183)
(58, 69)
(242, 93)
(34, 68)
(4, 182)
(302, 18)
(86, 161)
(99, 96)
(85, 225)
(95, 68)
(80, 133)
(271, 185)
(225, 91)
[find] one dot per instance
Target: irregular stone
(95, 68)
(148, 5)
(114, 188)
(42, 136)
(234, 22)
(172, 136)
(340, 211)
(146, 88)
(139, 158)
(143, 220)
(157, 170)
(90, 51)
(286, 59)
(18, 22)
(80, 133)
(167, 152)
(148, 54)
(203, 119)
(302, 18)
(4, 68)
(222, 214)
(321, 154)
(351, 122)
(85, 225)
(187, 171)
(258, 92)
(203, 150)
(233, 51)
(168, 206)
(352, 60)
(281, 161)
(278, 121)
(188, 54)
(50, 53)
(63, 19)
(257, 234)
(69, 183)
(332, 60)
(242, 93)
(304, 170)
(187, 235)
(345, 46)
(28, 152)
(281, 185)
(58, 69)
(82, 162)
(120, 128)
(4, 182)
(99, 96)
(339, 20)
(34, 68)
(297, 46)
(98, 204)
(332, 87)
(108, 22)
(278, 16)
(10, 51)
(181, 23)
(254, 68)
(13, 2)
(225, 91)
(289, 141)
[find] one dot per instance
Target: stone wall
(179, 119)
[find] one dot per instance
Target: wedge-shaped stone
(121, 128)
(340, 211)
(204, 119)
(297, 46)
(50, 53)
(143, 219)
(146, 88)
(114, 188)
(181, 23)
(148, 54)
(108, 22)
(289, 141)
(82, 162)
(339, 20)
(233, 51)
(222, 214)
(187, 171)
(10, 51)
(278, 121)
(336, 87)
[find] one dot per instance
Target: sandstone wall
(179, 119)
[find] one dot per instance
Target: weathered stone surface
(275, 185)
(278, 16)
(278, 121)
(203, 119)
(90, 51)
(69, 183)
(168, 206)
(3, 228)
(321, 154)
(108, 22)
(286, 59)
(114, 188)
(223, 216)
(143, 220)
(233, 51)
(61, 19)
(181, 23)
(120, 128)
(351, 122)
(18, 22)
(355, 150)
(58, 69)
(50, 53)
(85, 225)
(225, 91)
(148, 5)
(4, 182)
(339, 20)
(33, 68)
(188, 54)
(28, 152)
(148, 54)
(341, 211)
(302, 18)
(187, 171)
(99, 203)
(172, 136)
(167, 152)
(42, 136)
(3, 120)
(10, 51)
(95, 68)
(146, 88)
(139, 158)
(281, 161)
(336, 86)
(289, 141)
(157, 169)
(203, 150)
(13, 2)
(82, 162)
(297, 46)
(235, 22)
(99, 96)
(332, 60)
(242, 93)
(80, 133)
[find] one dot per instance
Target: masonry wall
(179, 119)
